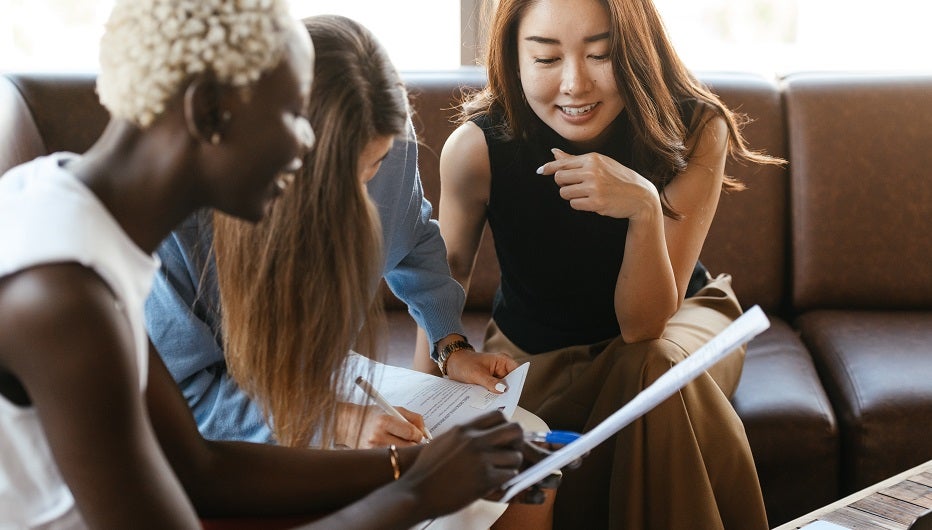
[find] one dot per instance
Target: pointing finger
(562, 160)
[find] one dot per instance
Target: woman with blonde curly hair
(207, 102)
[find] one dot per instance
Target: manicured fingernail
(540, 170)
(501, 387)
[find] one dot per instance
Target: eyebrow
(548, 40)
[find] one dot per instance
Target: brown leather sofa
(837, 394)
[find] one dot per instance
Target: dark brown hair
(651, 78)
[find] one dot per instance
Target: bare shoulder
(468, 135)
(710, 137)
(58, 317)
(465, 158)
(466, 147)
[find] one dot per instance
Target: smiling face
(566, 69)
(269, 134)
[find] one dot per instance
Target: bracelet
(448, 350)
(396, 462)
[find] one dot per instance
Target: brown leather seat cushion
(790, 424)
(877, 369)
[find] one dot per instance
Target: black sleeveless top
(558, 265)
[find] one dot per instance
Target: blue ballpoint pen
(552, 437)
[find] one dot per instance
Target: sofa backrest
(41, 113)
(19, 135)
(50, 113)
(434, 97)
(748, 237)
(861, 190)
(861, 149)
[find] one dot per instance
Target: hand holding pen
(537, 446)
(411, 420)
(547, 442)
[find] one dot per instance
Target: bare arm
(260, 479)
(695, 194)
(465, 180)
(72, 350)
(662, 252)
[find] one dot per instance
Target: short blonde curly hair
(150, 47)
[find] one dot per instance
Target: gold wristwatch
(444, 353)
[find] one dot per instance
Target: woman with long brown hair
(287, 285)
(598, 159)
(297, 289)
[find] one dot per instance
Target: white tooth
(576, 111)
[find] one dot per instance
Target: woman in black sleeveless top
(598, 160)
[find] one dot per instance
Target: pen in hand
(385, 405)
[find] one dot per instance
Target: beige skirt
(687, 463)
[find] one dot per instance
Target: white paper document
(748, 325)
(443, 403)
(823, 525)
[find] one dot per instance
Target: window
(781, 36)
(418, 34)
(767, 36)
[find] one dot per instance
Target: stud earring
(215, 138)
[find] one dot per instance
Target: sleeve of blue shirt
(183, 320)
(416, 267)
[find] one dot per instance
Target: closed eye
(545, 60)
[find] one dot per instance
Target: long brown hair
(299, 288)
(651, 78)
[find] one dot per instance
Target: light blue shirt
(183, 317)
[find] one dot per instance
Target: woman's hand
(466, 463)
(596, 183)
(480, 368)
(378, 428)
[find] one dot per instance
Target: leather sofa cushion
(876, 369)
(861, 197)
(789, 422)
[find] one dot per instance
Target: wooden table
(893, 504)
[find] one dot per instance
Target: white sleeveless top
(49, 216)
